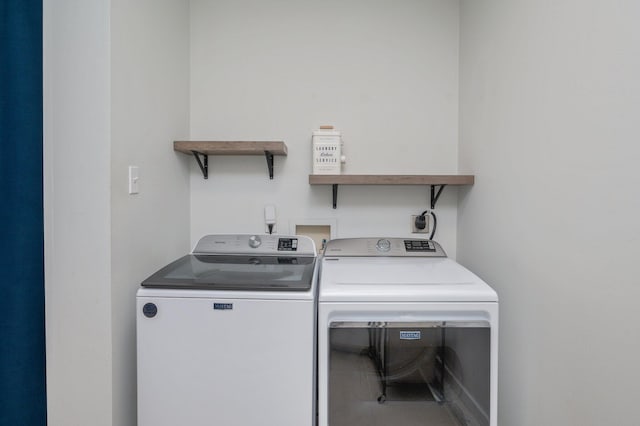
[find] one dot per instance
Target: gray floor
(355, 387)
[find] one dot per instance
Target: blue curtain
(22, 339)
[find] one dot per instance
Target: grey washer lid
(236, 273)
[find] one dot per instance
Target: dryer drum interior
(422, 373)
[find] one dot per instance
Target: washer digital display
(288, 244)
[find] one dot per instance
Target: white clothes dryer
(226, 335)
(406, 336)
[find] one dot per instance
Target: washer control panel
(281, 245)
(391, 247)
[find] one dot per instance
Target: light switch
(134, 176)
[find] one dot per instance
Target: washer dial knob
(254, 241)
(383, 245)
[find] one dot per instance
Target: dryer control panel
(419, 245)
(391, 247)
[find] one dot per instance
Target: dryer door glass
(427, 373)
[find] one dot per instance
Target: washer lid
(400, 279)
(236, 273)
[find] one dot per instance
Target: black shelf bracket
(269, 157)
(436, 191)
(204, 163)
(435, 194)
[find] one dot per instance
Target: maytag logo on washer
(223, 306)
(410, 335)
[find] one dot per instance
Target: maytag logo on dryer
(410, 335)
(223, 306)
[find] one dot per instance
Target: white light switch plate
(134, 177)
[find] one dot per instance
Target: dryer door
(434, 373)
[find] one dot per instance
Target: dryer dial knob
(383, 245)
(254, 241)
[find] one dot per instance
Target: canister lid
(326, 130)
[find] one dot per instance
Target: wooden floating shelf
(231, 147)
(434, 181)
(391, 179)
(205, 148)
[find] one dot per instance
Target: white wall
(77, 212)
(548, 111)
(149, 109)
(384, 73)
(116, 93)
(550, 100)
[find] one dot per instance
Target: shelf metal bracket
(269, 157)
(204, 163)
(435, 195)
(436, 190)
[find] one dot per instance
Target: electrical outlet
(270, 219)
(415, 230)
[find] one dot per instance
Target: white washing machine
(406, 336)
(226, 335)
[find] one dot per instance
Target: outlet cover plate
(415, 230)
